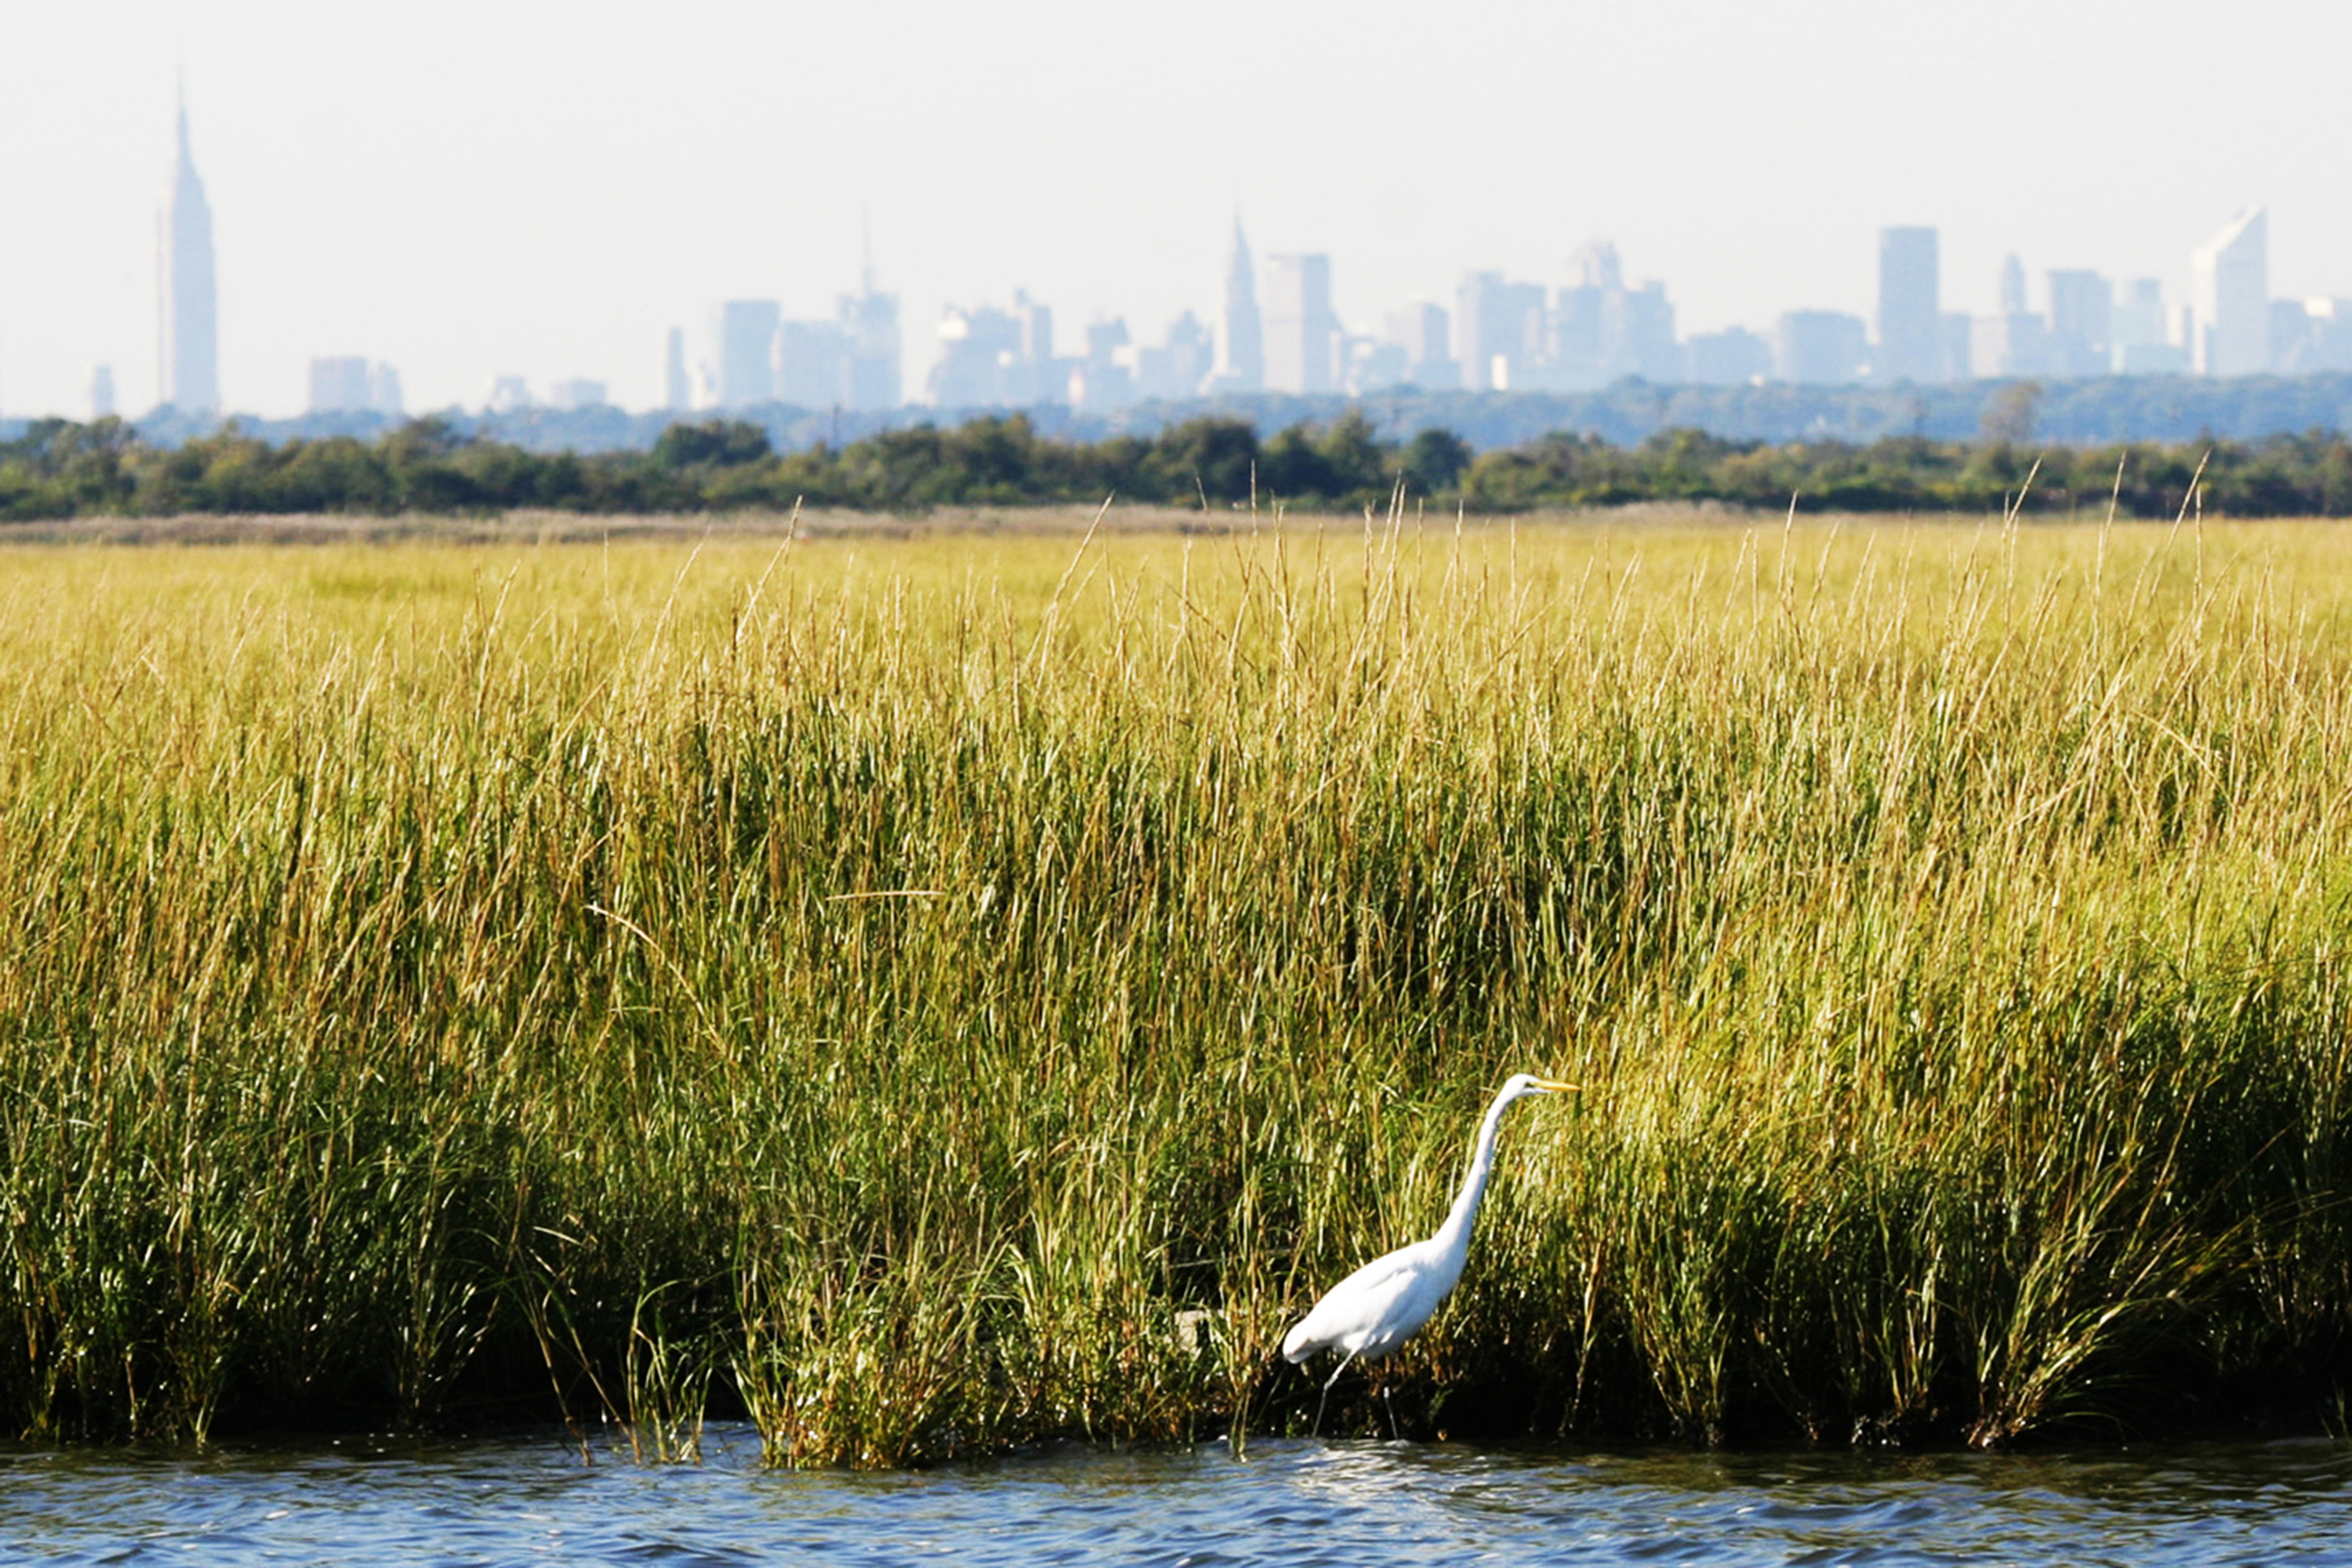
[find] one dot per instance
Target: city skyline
(526, 203)
(1504, 335)
(1288, 336)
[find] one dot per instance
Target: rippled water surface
(1288, 1502)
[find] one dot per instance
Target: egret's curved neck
(1456, 1228)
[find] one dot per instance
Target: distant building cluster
(510, 394)
(2231, 325)
(753, 355)
(351, 384)
(1279, 331)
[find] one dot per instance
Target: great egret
(1377, 1307)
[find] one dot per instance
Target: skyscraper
(980, 363)
(2012, 341)
(677, 395)
(743, 335)
(1574, 354)
(577, 393)
(1499, 327)
(384, 391)
(1819, 348)
(1036, 319)
(2139, 330)
(1910, 311)
(188, 369)
(1177, 368)
(348, 384)
(1241, 335)
(1597, 265)
(1637, 334)
(1600, 331)
(2082, 321)
(1302, 332)
(2012, 285)
(338, 384)
(850, 362)
(1733, 357)
(2231, 288)
(810, 358)
(870, 321)
(1423, 331)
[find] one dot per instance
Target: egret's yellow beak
(1552, 1086)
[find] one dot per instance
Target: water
(1290, 1502)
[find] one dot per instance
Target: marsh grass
(936, 995)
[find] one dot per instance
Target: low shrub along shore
(934, 995)
(57, 469)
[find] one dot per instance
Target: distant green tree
(1359, 469)
(1213, 459)
(1563, 469)
(1120, 466)
(1433, 461)
(716, 443)
(1683, 462)
(57, 469)
(995, 462)
(338, 474)
(422, 440)
(893, 470)
(1293, 467)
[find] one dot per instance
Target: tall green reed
(932, 998)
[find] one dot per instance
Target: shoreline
(1074, 521)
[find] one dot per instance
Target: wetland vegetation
(929, 994)
(57, 469)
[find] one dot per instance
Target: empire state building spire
(187, 344)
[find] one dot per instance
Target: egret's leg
(1392, 1409)
(1316, 1430)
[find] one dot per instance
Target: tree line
(57, 468)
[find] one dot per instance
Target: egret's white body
(1377, 1307)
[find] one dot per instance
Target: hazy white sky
(464, 187)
